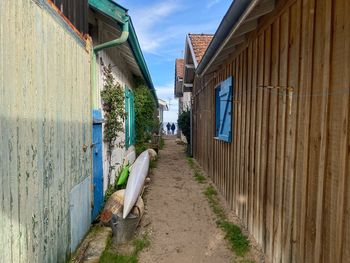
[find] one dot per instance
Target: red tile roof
(179, 67)
(199, 43)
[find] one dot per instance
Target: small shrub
(140, 147)
(190, 162)
(210, 192)
(161, 144)
(141, 243)
(109, 255)
(199, 177)
(153, 164)
(184, 123)
(110, 190)
(239, 242)
(145, 113)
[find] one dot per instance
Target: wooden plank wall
(286, 173)
(76, 11)
(45, 119)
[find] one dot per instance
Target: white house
(195, 47)
(163, 106)
(116, 44)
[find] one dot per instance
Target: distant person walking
(168, 126)
(173, 129)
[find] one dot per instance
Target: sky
(161, 27)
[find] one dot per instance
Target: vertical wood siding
(76, 11)
(45, 120)
(286, 173)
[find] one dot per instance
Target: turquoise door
(130, 118)
(97, 163)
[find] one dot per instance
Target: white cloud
(148, 20)
(212, 3)
(166, 93)
(172, 114)
(156, 31)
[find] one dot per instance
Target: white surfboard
(135, 182)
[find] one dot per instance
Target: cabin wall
(124, 77)
(121, 75)
(45, 120)
(286, 172)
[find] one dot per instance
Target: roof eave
(119, 14)
(136, 48)
(231, 17)
(111, 9)
(241, 19)
(189, 43)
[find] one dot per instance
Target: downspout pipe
(122, 39)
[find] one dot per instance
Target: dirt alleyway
(182, 226)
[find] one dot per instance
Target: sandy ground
(181, 225)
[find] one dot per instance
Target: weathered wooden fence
(287, 171)
(45, 120)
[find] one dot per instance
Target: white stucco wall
(184, 104)
(124, 77)
(186, 99)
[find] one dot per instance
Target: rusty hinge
(288, 89)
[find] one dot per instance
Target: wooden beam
(235, 41)
(187, 87)
(230, 47)
(246, 27)
(189, 75)
(189, 66)
(262, 9)
(225, 54)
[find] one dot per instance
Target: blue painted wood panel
(223, 110)
(97, 163)
(80, 212)
(45, 125)
(217, 111)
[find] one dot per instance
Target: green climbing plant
(145, 113)
(184, 123)
(112, 97)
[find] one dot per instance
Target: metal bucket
(124, 229)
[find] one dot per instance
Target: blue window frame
(223, 110)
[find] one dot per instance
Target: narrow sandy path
(182, 225)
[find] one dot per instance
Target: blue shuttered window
(217, 111)
(223, 110)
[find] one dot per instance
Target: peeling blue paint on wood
(80, 215)
(97, 164)
(45, 120)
